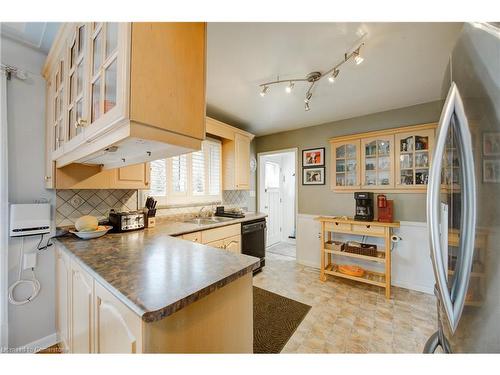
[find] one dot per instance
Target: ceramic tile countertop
(156, 274)
(177, 228)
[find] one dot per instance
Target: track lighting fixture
(264, 91)
(314, 77)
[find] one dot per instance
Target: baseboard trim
(307, 264)
(39, 344)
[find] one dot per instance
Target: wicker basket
(334, 245)
(364, 249)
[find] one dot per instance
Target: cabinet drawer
(233, 244)
(368, 229)
(193, 237)
(215, 234)
(337, 226)
(217, 244)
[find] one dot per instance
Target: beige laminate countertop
(154, 273)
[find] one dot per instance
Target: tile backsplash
(71, 204)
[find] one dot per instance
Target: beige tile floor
(349, 317)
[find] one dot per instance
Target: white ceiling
(37, 35)
(404, 65)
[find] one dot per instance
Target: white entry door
(272, 201)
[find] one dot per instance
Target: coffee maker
(364, 206)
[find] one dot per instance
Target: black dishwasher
(253, 240)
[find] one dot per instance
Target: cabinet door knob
(47, 178)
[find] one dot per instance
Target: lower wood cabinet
(117, 328)
(90, 319)
(82, 310)
(63, 269)
(226, 238)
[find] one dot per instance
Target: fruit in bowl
(87, 224)
(100, 230)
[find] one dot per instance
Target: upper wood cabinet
(377, 167)
(125, 93)
(414, 157)
(346, 161)
(235, 154)
(394, 160)
(79, 176)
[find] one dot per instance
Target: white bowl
(92, 234)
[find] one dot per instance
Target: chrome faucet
(200, 211)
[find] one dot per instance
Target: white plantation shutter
(198, 172)
(158, 178)
(214, 168)
(190, 178)
(179, 174)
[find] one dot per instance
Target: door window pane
(340, 180)
(350, 151)
(97, 52)
(340, 166)
(421, 143)
(79, 113)
(96, 100)
(272, 175)
(371, 148)
(110, 87)
(407, 177)
(111, 37)
(421, 159)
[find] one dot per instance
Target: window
(272, 176)
(189, 178)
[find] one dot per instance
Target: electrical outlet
(29, 261)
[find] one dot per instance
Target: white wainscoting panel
(411, 263)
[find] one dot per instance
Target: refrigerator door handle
(453, 305)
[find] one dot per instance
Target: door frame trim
(295, 150)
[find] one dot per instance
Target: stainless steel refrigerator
(463, 198)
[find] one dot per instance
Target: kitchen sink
(208, 220)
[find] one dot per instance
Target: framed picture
(313, 176)
(491, 171)
(314, 157)
(491, 144)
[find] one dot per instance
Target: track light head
(306, 106)
(264, 91)
(357, 57)
(308, 97)
(334, 75)
(289, 88)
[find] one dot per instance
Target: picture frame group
(313, 166)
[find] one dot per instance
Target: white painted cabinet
(63, 270)
(117, 328)
(82, 291)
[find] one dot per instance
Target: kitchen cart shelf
(370, 277)
(380, 258)
(342, 225)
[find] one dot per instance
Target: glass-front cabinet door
(58, 98)
(413, 158)
(377, 155)
(345, 158)
(76, 112)
(106, 89)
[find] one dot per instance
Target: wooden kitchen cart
(331, 225)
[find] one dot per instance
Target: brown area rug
(275, 319)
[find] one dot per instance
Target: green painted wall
(321, 200)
